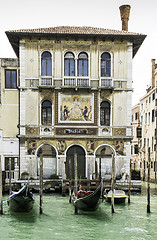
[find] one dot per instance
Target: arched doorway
(81, 162)
(49, 160)
(103, 162)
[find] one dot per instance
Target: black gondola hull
(89, 202)
(21, 201)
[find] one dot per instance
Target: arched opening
(105, 64)
(82, 67)
(69, 64)
(46, 113)
(49, 160)
(103, 162)
(105, 113)
(81, 162)
(46, 64)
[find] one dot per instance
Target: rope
(4, 202)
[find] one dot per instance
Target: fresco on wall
(76, 107)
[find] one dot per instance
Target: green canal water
(58, 220)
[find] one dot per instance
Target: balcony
(120, 84)
(80, 82)
(46, 81)
(106, 82)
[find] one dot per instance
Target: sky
(27, 14)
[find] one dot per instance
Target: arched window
(69, 64)
(82, 66)
(105, 113)
(105, 65)
(46, 113)
(46, 64)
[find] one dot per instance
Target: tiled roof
(15, 35)
(74, 30)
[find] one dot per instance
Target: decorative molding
(31, 146)
(32, 130)
(119, 131)
(75, 131)
(61, 146)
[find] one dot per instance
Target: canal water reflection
(59, 221)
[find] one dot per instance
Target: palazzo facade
(75, 96)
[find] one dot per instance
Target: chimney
(125, 12)
(153, 73)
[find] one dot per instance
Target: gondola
(21, 201)
(119, 196)
(87, 200)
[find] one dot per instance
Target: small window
(136, 116)
(141, 119)
(46, 64)
(69, 64)
(136, 149)
(144, 143)
(11, 79)
(153, 96)
(153, 115)
(105, 113)
(149, 118)
(152, 143)
(83, 64)
(105, 65)
(141, 106)
(132, 118)
(46, 113)
(147, 142)
(145, 117)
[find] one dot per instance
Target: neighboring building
(148, 124)
(75, 95)
(9, 116)
(135, 143)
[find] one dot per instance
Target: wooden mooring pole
(129, 187)
(112, 183)
(41, 183)
(75, 167)
(9, 176)
(1, 202)
(148, 183)
(70, 180)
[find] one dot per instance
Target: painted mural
(76, 107)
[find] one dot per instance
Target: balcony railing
(120, 84)
(46, 81)
(106, 82)
(32, 82)
(76, 82)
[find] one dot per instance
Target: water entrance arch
(49, 160)
(103, 162)
(81, 162)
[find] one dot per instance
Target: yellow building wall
(9, 113)
(9, 120)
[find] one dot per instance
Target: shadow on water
(99, 214)
(26, 217)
